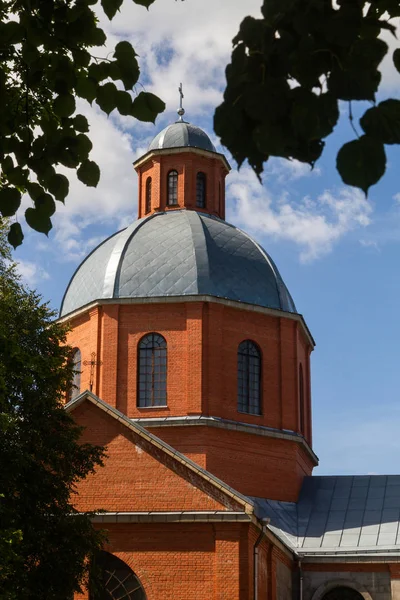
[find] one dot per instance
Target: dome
(178, 253)
(182, 134)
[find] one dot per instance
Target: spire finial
(181, 110)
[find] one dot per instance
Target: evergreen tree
(45, 544)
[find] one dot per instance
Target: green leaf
(111, 7)
(45, 205)
(107, 97)
(84, 145)
(89, 173)
(383, 122)
(396, 59)
(124, 103)
(81, 123)
(7, 164)
(86, 88)
(34, 190)
(18, 176)
(12, 33)
(127, 64)
(145, 3)
(99, 71)
(64, 105)
(59, 186)
(81, 57)
(10, 201)
(15, 235)
(38, 220)
(362, 162)
(146, 107)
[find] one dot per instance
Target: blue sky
(337, 252)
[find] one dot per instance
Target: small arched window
(148, 195)
(172, 197)
(152, 371)
(75, 388)
(249, 378)
(301, 400)
(201, 190)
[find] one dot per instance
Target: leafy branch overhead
(288, 72)
(46, 62)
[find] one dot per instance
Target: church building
(193, 369)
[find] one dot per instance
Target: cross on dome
(181, 110)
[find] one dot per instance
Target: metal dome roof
(178, 253)
(182, 134)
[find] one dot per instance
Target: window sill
(152, 407)
(242, 412)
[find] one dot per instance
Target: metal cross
(93, 363)
(181, 110)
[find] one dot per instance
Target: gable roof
(182, 465)
(339, 515)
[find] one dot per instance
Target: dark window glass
(301, 399)
(201, 190)
(148, 195)
(76, 380)
(249, 378)
(152, 371)
(172, 188)
(116, 581)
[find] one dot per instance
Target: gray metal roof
(182, 134)
(178, 253)
(337, 514)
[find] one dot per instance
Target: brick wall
(187, 164)
(135, 477)
(202, 340)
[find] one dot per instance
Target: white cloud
(372, 244)
(315, 225)
(31, 273)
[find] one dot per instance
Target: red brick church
(194, 371)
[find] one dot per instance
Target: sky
(338, 252)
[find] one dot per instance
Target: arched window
(148, 195)
(172, 198)
(301, 399)
(152, 371)
(75, 388)
(116, 580)
(201, 190)
(249, 378)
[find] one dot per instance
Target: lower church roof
(357, 514)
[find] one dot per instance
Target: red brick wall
(185, 562)
(253, 465)
(132, 479)
(202, 341)
(187, 164)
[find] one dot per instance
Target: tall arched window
(201, 190)
(116, 581)
(148, 195)
(301, 399)
(172, 197)
(249, 378)
(75, 388)
(152, 371)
